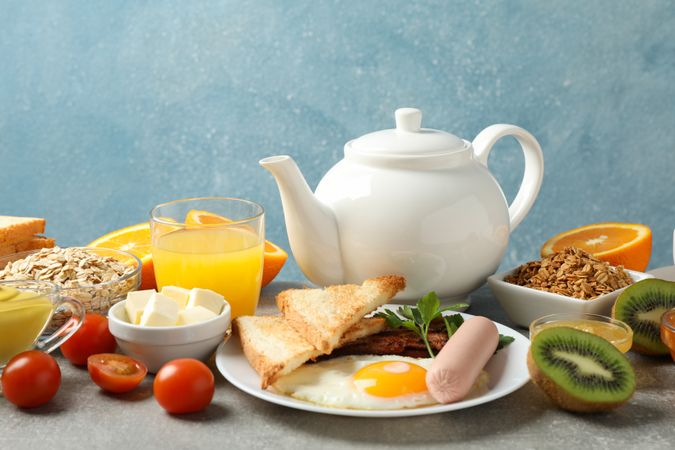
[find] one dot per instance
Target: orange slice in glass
(134, 239)
(275, 256)
(198, 217)
(625, 244)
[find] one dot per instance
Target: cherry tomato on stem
(31, 379)
(184, 386)
(93, 337)
(116, 373)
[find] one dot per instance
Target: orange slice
(625, 244)
(275, 256)
(198, 217)
(134, 239)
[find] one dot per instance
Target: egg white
(329, 383)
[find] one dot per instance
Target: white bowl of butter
(163, 332)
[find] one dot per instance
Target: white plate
(507, 370)
(664, 273)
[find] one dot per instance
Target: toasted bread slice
(274, 348)
(322, 316)
(17, 229)
(362, 328)
(34, 243)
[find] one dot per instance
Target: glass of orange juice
(26, 308)
(212, 243)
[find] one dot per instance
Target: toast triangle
(322, 316)
(274, 348)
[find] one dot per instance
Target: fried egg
(361, 382)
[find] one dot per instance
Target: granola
(571, 272)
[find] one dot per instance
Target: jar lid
(408, 139)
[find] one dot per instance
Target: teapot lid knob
(408, 140)
(408, 119)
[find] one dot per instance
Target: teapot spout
(311, 225)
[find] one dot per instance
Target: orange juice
(226, 260)
(22, 319)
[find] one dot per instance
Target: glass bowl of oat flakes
(97, 277)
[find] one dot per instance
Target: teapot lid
(408, 139)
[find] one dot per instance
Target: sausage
(460, 361)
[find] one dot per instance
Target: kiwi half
(579, 371)
(641, 306)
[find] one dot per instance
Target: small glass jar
(615, 331)
(668, 331)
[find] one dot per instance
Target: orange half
(134, 239)
(620, 244)
(275, 256)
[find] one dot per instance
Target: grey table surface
(82, 416)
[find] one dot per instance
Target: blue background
(110, 107)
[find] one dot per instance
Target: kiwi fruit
(641, 306)
(580, 371)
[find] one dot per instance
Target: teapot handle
(534, 165)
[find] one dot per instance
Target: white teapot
(409, 201)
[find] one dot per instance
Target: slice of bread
(34, 243)
(274, 348)
(271, 346)
(362, 328)
(17, 229)
(322, 316)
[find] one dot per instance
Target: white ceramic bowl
(155, 346)
(523, 304)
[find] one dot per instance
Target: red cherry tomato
(183, 386)
(93, 337)
(31, 379)
(116, 373)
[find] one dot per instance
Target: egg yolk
(391, 379)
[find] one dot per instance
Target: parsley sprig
(418, 319)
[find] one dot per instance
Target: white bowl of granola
(569, 282)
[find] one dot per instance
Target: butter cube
(206, 298)
(135, 304)
(195, 314)
(161, 311)
(178, 294)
